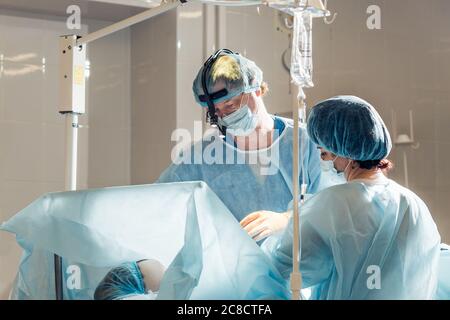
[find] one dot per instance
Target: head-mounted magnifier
(208, 97)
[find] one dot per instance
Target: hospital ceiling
(109, 10)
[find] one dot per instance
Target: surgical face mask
(328, 165)
(330, 171)
(242, 122)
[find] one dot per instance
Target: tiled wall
(189, 61)
(153, 98)
(404, 66)
(254, 34)
(109, 108)
(167, 52)
(31, 130)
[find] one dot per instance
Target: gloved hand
(261, 224)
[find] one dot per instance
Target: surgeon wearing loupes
(231, 88)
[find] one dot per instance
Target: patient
(131, 281)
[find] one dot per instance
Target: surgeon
(369, 238)
(247, 162)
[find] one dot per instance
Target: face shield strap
(211, 115)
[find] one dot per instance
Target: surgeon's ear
(258, 93)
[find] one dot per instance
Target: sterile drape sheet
(183, 225)
(443, 290)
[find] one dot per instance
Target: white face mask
(327, 166)
(242, 122)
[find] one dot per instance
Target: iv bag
(301, 57)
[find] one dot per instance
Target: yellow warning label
(78, 75)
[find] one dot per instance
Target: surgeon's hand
(261, 224)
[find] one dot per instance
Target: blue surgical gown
(249, 181)
(363, 240)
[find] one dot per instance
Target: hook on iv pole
(325, 19)
(304, 5)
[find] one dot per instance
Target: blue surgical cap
(247, 78)
(350, 128)
(122, 281)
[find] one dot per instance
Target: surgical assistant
(369, 238)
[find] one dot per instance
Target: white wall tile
(57, 186)
(256, 37)
(153, 95)
(23, 148)
(50, 95)
(440, 13)
(109, 96)
(278, 100)
(442, 64)
(373, 62)
(443, 176)
(108, 154)
(236, 27)
(109, 50)
(398, 60)
(188, 110)
(423, 103)
(323, 87)
(322, 46)
(442, 117)
(17, 195)
(2, 95)
(189, 32)
(23, 92)
(53, 151)
(107, 139)
(22, 39)
(441, 214)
